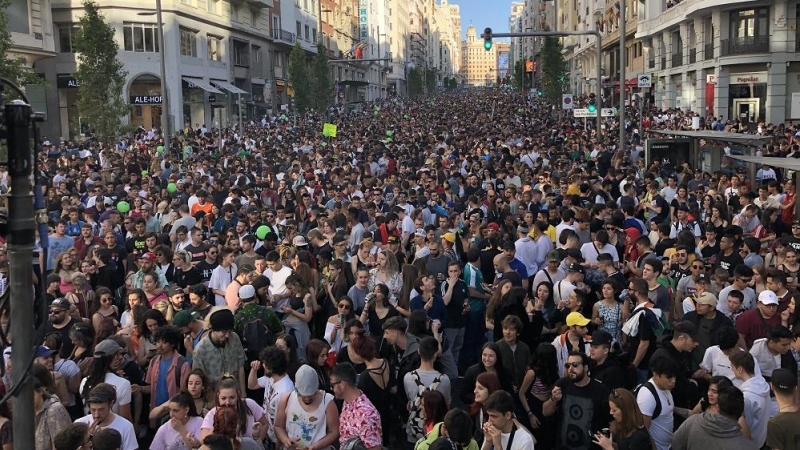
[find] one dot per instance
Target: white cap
(768, 298)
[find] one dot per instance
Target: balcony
(692, 55)
(742, 45)
(677, 59)
(260, 4)
(708, 51)
(283, 35)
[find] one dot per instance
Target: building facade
(478, 66)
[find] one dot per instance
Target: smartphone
(341, 319)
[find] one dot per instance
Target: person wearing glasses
(742, 276)
(579, 403)
(359, 418)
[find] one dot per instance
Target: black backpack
(255, 337)
(650, 387)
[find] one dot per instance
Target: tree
(301, 78)
(517, 72)
(99, 74)
(430, 80)
(553, 70)
(415, 83)
(321, 79)
(12, 67)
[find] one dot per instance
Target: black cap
(783, 380)
(702, 277)
(575, 267)
(601, 337)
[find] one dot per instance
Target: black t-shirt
(677, 273)
(197, 252)
(729, 262)
(67, 345)
(662, 245)
(188, 278)
(455, 309)
(661, 203)
(645, 333)
(583, 411)
(206, 268)
(135, 245)
(708, 252)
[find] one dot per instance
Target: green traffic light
(487, 45)
(592, 108)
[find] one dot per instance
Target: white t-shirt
(120, 424)
(277, 280)
(749, 299)
(764, 359)
(717, 363)
(273, 391)
(562, 290)
(221, 277)
(590, 252)
(661, 426)
(522, 440)
(122, 386)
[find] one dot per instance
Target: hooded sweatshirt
(756, 408)
(710, 432)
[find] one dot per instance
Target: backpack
(661, 325)
(416, 418)
(255, 337)
(650, 387)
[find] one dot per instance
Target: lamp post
(166, 123)
(524, 66)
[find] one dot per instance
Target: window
(214, 48)
(278, 60)
(256, 54)
(299, 29)
(140, 37)
(240, 53)
(234, 12)
(254, 16)
(308, 34)
(188, 42)
(19, 16)
(276, 26)
(213, 6)
(749, 23)
(314, 34)
(305, 5)
(66, 37)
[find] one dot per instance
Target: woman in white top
(183, 426)
(334, 333)
(250, 413)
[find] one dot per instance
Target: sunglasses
(574, 365)
(344, 306)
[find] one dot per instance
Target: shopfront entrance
(746, 109)
(145, 97)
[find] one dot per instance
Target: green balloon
(123, 207)
(172, 187)
(145, 173)
(262, 231)
(160, 149)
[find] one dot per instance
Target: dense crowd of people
(467, 270)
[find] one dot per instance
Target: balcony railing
(749, 44)
(692, 55)
(677, 59)
(283, 35)
(708, 51)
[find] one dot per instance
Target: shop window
(140, 37)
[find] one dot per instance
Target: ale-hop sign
(146, 99)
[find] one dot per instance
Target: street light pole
(166, 123)
(621, 75)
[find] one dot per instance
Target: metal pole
(641, 116)
(597, 84)
(21, 225)
(166, 123)
(622, 74)
(241, 129)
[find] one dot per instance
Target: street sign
(583, 112)
(566, 101)
(607, 112)
(644, 80)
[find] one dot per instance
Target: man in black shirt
(61, 322)
(581, 404)
(642, 342)
(728, 257)
(209, 263)
(455, 295)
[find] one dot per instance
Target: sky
(484, 13)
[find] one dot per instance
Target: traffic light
(592, 103)
(487, 39)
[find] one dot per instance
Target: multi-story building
(30, 24)
(515, 26)
(609, 26)
(216, 61)
(478, 65)
(730, 59)
(503, 63)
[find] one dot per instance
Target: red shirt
(753, 326)
(788, 214)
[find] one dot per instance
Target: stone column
(776, 93)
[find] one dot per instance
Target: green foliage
(322, 85)
(517, 72)
(553, 70)
(430, 80)
(301, 79)
(12, 67)
(415, 82)
(100, 74)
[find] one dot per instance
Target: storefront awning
(199, 83)
(228, 87)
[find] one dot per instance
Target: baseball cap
(420, 232)
(449, 237)
(702, 278)
(44, 351)
(706, 298)
(553, 255)
(685, 327)
(107, 347)
(601, 337)
(306, 381)
(149, 256)
(392, 240)
(576, 318)
(768, 298)
(247, 291)
(175, 290)
(338, 239)
(61, 303)
(783, 380)
(184, 318)
(575, 267)
(493, 226)
(299, 241)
